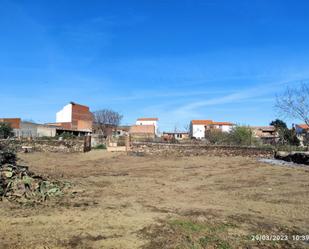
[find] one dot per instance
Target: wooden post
(87, 143)
(128, 143)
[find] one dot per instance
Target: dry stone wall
(64, 146)
(199, 149)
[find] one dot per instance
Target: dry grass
(145, 202)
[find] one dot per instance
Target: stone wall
(97, 139)
(199, 149)
(64, 146)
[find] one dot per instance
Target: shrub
(100, 147)
(218, 137)
(7, 155)
(241, 135)
(6, 130)
(288, 137)
(67, 135)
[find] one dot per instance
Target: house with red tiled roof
(198, 128)
(147, 119)
(147, 122)
(267, 134)
(301, 128)
(302, 131)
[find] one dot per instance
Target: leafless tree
(106, 120)
(294, 103)
(186, 128)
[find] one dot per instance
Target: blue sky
(175, 60)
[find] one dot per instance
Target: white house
(65, 114)
(223, 126)
(198, 127)
(149, 121)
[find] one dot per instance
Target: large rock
(301, 157)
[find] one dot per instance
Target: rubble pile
(19, 184)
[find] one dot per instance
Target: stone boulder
(300, 157)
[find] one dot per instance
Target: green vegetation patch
(189, 233)
(100, 147)
(205, 232)
(188, 225)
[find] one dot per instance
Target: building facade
(142, 132)
(33, 130)
(177, 135)
(301, 129)
(76, 117)
(199, 128)
(268, 134)
(13, 122)
(149, 121)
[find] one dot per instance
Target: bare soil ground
(125, 201)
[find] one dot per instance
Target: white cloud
(254, 93)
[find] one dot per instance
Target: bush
(218, 137)
(288, 137)
(6, 130)
(67, 135)
(100, 147)
(241, 135)
(7, 155)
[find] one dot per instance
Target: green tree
(241, 135)
(286, 135)
(289, 137)
(278, 124)
(6, 130)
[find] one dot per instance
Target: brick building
(74, 117)
(13, 122)
(147, 122)
(142, 132)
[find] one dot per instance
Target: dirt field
(128, 202)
